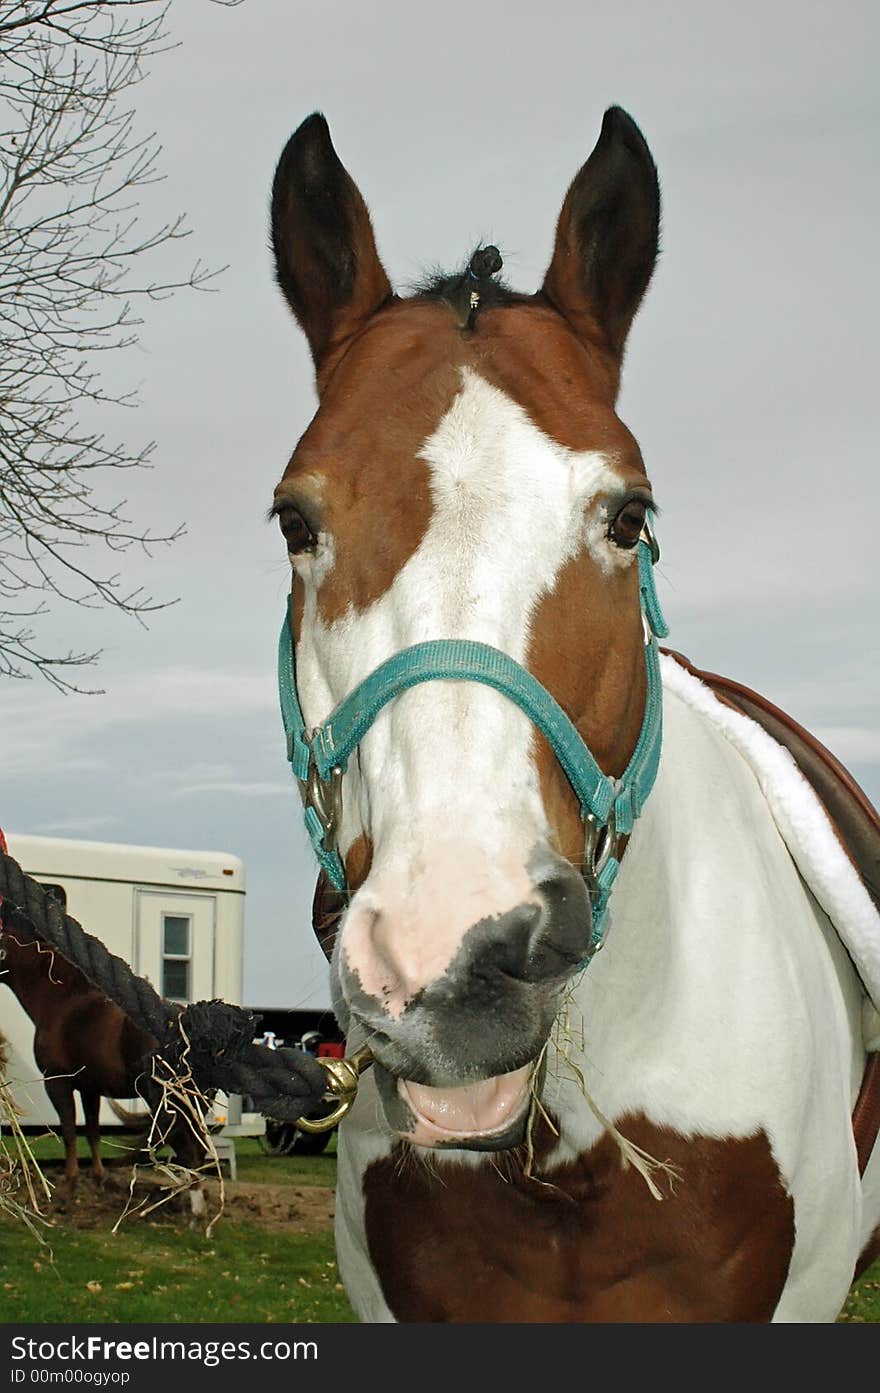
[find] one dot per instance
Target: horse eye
(627, 526)
(296, 531)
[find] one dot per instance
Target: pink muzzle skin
(472, 1113)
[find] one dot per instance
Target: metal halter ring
(601, 843)
(326, 799)
(342, 1085)
(649, 536)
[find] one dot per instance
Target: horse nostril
(512, 943)
(569, 916)
(537, 942)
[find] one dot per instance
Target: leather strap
(866, 1113)
(328, 907)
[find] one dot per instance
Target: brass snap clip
(343, 1076)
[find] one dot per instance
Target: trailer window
(176, 938)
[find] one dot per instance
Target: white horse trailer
(176, 917)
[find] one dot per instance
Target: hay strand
(19, 1169)
(568, 1037)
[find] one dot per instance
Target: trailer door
(175, 939)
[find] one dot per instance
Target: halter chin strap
(609, 807)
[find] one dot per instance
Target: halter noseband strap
(608, 806)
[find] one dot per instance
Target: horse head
(466, 489)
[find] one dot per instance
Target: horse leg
(188, 1152)
(91, 1107)
(197, 1203)
(60, 1092)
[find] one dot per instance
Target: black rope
(211, 1041)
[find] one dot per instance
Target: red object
(331, 1051)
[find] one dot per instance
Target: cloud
(851, 744)
(43, 728)
(194, 692)
(259, 789)
(74, 826)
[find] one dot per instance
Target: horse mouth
(489, 1115)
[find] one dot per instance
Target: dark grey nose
(535, 942)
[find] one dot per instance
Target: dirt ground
(294, 1209)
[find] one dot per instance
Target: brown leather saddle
(853, 817)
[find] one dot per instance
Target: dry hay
(25, 1192)
(569, 1036)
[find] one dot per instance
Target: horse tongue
(476, 1109)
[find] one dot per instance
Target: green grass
(258, 1167)
(863, 1303)
(154, 1273)
(254, 1163)
(166, 1269)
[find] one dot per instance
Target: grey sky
(750, 381)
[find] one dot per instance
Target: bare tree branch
(73, 171)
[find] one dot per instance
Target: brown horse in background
(83, 1043)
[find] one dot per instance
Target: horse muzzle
(456, 1066)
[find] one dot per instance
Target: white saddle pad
(806, 830)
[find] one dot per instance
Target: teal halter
(609, 807)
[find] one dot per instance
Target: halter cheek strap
(609, 807)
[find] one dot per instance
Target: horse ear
(607, 236)
(325, 252)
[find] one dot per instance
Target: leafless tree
(73, 168)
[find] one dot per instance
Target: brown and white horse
(466, 477)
